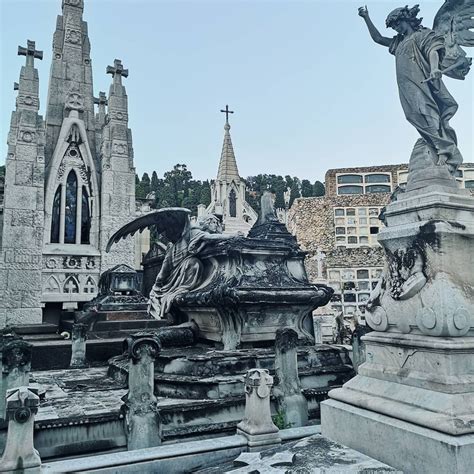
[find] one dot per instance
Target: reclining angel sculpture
(423, 56)
(181, 269)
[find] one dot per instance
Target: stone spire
(228, 170)
(116, 158)
(23, 222)
(71, 76)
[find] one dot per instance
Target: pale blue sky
(309, 88)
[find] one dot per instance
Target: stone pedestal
(142, 418)
(78, 349)
(257, 425)
(288, 393)
(19, 454)
(417, 384)
(16, 366)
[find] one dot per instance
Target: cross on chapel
(101, 100)
(30, 52)
(117, 71)
(227, 112)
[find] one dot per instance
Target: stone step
(32, 329)
(201, 361)
(120, 325)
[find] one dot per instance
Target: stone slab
(404, 445)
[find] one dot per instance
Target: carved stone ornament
(406, 277)
(72, 262)
(120, 148)
(73, 36)
(27, 136)
(74, 101)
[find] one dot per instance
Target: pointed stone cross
(227, 112)
(117, 71)
(254, 463)
(30, 52)
(102, 99)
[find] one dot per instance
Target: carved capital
(137, 345)
(16, 353)
(259, 381)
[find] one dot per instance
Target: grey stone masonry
(23, 222)
(118, 173)
(71, 72)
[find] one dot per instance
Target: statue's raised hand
(364, 12)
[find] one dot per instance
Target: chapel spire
(228, 170)
(70, 81)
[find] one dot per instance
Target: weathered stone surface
(291, 402)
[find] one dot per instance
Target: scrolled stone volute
(22, 403)
(137, 344)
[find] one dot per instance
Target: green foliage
(279, 420)
(177, 188)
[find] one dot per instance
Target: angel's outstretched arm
(374, 32)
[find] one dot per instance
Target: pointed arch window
(55, 216)
(232, 204)
(70, 209)
(85, 217)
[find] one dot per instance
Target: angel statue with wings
(422, 57)
(181, 269)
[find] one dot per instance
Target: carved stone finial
(117, 71)
(74, 101)
(16, 354)
(257, 425)
(30, 52)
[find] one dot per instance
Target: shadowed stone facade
(69, 181)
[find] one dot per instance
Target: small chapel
(228, 190)
(69, 180)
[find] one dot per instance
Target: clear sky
(309, 88)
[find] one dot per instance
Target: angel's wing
(455, 22)
(170, 221)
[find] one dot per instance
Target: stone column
(415, 391)
(19, 454)
(257, 425)
(291, 402)
(143, 423)
(78, 348)
(318, 330)
(16, 366)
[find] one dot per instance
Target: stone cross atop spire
(228, 170)
(117, 71)
(30, 52)
(28, 85)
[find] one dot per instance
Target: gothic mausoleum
(69, 180)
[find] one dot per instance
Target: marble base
(400, 444)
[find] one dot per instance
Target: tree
(155, 183)
(294, 191)
(145, 184)
(318, 189)
(306, 188)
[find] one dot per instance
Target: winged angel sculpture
(423, 56)
(181, 269)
